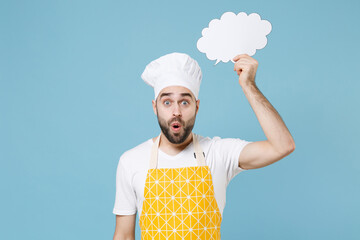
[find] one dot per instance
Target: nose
(176, 110)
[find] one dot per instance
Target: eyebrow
(182, 94)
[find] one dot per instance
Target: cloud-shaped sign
(232, 35)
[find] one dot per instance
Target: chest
(217, 173)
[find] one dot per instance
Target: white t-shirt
(221, 155)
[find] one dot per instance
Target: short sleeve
(228, 150)
(125, 201)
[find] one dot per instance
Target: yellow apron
(179, 202)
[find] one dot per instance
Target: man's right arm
(125, 227)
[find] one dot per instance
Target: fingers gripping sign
(246, 68)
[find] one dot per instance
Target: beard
(180, 137)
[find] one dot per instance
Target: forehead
(175, 91)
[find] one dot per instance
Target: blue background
(72, 101)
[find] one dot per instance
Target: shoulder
(208, 140)
(217, 142)
(137, 152)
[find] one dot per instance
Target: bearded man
(177, 181)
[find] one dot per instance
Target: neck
(172, 149)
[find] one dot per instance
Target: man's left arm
(279, 141)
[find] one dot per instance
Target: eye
(167, 102)
(184, 102)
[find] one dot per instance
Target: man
(177, 181)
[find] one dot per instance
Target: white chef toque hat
(173, 69)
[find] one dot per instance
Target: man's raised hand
(246, 67)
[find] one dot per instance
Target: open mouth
(176, 126)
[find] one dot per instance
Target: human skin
(279, 142)
(175, 104)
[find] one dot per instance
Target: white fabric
(221, 155)
(174, 69)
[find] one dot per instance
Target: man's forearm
(125, 227)
(273, 126)
(123, 237)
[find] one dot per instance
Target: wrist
(248, 85)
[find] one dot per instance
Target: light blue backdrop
(72, 101)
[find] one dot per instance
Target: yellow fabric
(180, 204)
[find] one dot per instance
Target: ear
(197, 105)
(154, 106)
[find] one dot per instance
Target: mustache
(177, 119)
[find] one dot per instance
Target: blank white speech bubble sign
(232, 35)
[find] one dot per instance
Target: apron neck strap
(198, 153)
